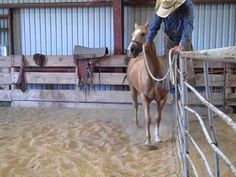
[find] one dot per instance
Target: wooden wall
(61, 70)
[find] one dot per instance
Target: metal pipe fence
(225, 55)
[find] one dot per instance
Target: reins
(170, 70)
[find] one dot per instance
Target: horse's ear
(146, 24)
(136, 25)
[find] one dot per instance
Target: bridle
(139, 46)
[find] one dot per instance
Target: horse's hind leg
(160, 106)
(146, 107)
(134, 96)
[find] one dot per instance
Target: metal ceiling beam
(99, 3)
(118, 20)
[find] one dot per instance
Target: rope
(170, 70)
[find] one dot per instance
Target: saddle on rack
(85, 59)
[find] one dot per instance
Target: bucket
(3, 50)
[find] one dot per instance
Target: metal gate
(225, 55)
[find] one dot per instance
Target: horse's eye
(143, 34)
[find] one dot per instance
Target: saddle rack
(85, 59)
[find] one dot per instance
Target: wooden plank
(47, 78)
(51, 60)
(5, 70)
(109, 97)
(67, 61)
(199, 64)
(72, 96)
(5, 62)
(115, 97)
(231, 99)
(226, 54)
(38, 104)
(109, 78)
(5, 95)
(113, 61)
(217, 99)
(5, 87)
(55, 98)
(5, 78)
(49, 95)
(216, 80)
(231, 80)
(231, 103)
(70, 78)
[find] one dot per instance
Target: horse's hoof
(149, 147)
(147, 143)
(136, 125)
(157, 141)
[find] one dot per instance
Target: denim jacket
(178, 25)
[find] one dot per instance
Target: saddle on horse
(85, 59)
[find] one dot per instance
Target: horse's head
(138, 38)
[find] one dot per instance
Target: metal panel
(3, 24)
(214, 25)
(56, 31)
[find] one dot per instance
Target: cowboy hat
(165, 7)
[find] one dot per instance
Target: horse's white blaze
(133, 38)
(156, 133)
(136, 33)
(129, 46)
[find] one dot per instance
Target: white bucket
(3, 50)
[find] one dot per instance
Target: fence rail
(225, 55)
(57, 81)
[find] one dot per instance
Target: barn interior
(57, 120)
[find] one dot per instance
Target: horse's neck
(154, 62)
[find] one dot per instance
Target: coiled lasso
(170, 70)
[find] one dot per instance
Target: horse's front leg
(146, 107)
(134, 96)
(160, 106)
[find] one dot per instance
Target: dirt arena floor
(88, 143)
(81, 143)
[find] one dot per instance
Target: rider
(177, 16)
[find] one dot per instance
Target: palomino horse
(140, 81)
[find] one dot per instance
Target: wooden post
(118, 17)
